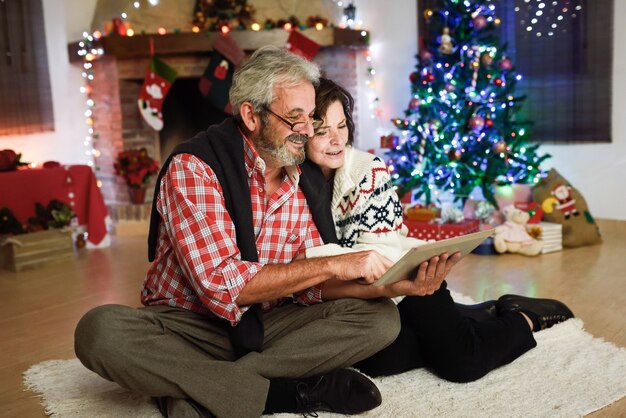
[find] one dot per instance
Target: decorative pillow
(565, 205)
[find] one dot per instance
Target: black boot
(544, 313)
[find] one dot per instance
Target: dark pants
(455, 348)
(169, 352)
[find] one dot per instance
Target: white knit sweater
(366, 210)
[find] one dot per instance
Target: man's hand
(368, 266)
(430, 275)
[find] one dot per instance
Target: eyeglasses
(295, 127)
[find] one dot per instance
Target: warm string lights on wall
(372, 95)
(89, 53)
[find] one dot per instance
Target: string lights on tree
(460, 128)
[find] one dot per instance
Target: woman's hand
(430, 275)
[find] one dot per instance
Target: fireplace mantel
(138, 46)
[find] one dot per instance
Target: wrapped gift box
(437, 231)
(36, 249)
(389, 141)
(551, 234)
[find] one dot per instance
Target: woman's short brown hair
(326, 94)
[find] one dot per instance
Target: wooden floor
(40, 308)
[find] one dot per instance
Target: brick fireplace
(119, 75)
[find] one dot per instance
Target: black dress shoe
(479, 312)
(543, 312)
(343, 391)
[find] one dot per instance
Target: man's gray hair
(268, 67)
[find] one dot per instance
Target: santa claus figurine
(567, 204)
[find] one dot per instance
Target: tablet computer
(407, 266)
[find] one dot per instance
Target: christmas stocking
(158, 80)
(218, 76)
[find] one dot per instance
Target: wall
(595, 169)
(63, 20)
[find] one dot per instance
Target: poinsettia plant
(136, 167)
(10, 160)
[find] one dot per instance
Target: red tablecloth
(74, 185)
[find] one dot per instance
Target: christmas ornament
(452, 215)
(506, 64)
(389, 141)
(446, 46)
(484, 210)
(475, 65)
(316, 21)
(425, 55)
(422, 148)
(157, 83)
(499, 147)
(434, 124)
(414, 77)
(288, 24)
(454, 154)
(486, 59)
(489, 123)
(80, 242)
(429, 77)
(479, 22)
(414, 104)
(498, 82)
(476, 123)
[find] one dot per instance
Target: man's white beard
(280, 154)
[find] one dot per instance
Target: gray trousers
(163, 351)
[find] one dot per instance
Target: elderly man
(234, 322)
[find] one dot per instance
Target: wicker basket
(36, 249)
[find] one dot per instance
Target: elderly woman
(457, 342)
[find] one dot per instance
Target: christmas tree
(460, 129)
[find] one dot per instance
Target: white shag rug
(570, 373)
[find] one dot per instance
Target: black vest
(221, 147)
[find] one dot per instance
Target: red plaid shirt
(198, 265)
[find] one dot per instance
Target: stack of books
(551, 235)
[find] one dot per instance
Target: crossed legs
(168, 352)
